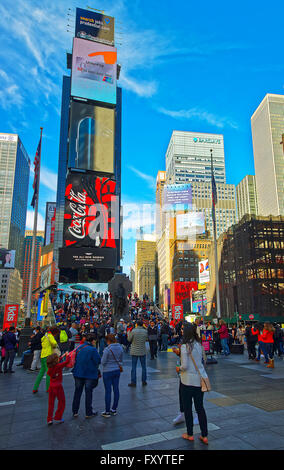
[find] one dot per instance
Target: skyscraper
(246, 196)
(267, 124)
(62, 166)
(26, 263)
(14, 187)
(160, 215)
(188, 157)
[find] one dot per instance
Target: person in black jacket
(251, 342)
(36, 348)
(102, 337)
(153, 337)
(165, 333)
(9, 343)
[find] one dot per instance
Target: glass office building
(14, 187)
(188, 157)
(62, 166)
(267, 125)
(246, 196)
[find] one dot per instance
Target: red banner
(181, 291)
(177, 312)
(10, 316)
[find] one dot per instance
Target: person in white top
(190, 381)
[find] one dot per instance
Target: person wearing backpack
(64, 339)
(112, 367)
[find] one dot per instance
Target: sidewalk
(245, 410)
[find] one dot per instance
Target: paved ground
(245, 410)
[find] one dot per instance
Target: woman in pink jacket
(224, 337)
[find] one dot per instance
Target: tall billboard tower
(87, 232)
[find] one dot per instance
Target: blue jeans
(102, 345)
(134, 365)
(25, 353)
(262, 349)
(165, 342)
(225, 346)
(111, 379)
(89, 384)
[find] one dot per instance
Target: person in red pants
(55, 388)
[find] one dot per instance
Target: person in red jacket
(55, 388)
(267, 338)
(224, 337)
(258, 330)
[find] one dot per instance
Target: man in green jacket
(138, 338)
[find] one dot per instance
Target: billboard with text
(94, 26)
(177, 197)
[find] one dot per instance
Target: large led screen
(191, 223)
(91, 212)
(94, 71)
(94, 26)
(91, 137)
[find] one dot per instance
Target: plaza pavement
(245, 410)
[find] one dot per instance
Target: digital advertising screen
(190, 223)
(94, 26)
(197, 306)
(49, 215)
(204, 273)
(87, 258)
(84, 288)
(91, 216)
(177, 197)
(94, 71)
(91, 137)
(7, 258)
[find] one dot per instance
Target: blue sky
(200, 66)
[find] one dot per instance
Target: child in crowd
(55, 388)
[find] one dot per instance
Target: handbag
(120, 367)
(204, 382)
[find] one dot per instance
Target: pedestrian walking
(86, 375)
(112, 367)
(138, 337)
(153, 337)
(36, 349)
(49, 346)
(251, 342)
(191, 370)
(56, 390)
(224, 337)
(10, 344)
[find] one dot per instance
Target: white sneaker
(179, 419)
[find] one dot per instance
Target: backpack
(63, 336)
(72, 357)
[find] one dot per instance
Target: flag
(36, 172)
(214, 190)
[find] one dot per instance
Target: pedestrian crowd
(87, 340)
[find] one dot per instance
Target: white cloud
(202, 115)
(141, 88)
(151, 181)
(47, 178)
(30, 221)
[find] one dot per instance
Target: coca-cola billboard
(91, 206)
